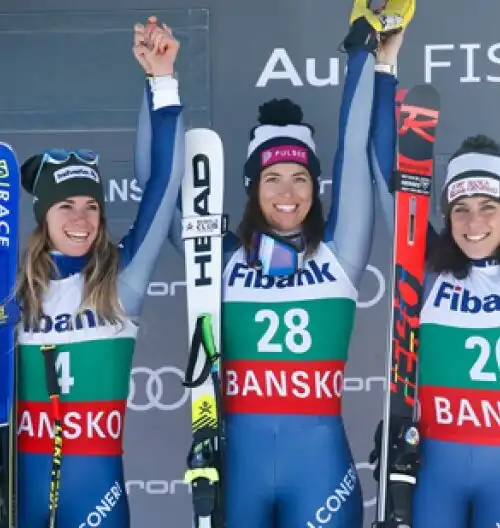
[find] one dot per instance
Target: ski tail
(205, 461)
(418, 117)
(9, 316)
(203, 225)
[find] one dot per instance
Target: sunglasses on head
(60, 156)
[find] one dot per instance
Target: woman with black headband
(459, 347)
(81, 298)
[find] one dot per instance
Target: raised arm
(349, 225)
(384, 129)
(142, 150)
(142, 157)
(141, 246)
(384, 126)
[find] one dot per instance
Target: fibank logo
(374, 275)
(314, 273)
(460, 299)
(66, 322)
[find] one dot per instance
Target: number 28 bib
(285, 340)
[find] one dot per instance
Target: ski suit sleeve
(142, 165)
(142, 152)
(143, 169)
(349, 224)
(140, 248)
(383, 134)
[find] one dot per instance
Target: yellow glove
(394, 16)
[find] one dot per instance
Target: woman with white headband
(459, 351)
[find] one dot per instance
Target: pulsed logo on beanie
(281, 137)
(284, 153)
(75, 171)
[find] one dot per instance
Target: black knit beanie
(281, 137)
(57, 182)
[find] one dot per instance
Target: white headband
(481, 175)
(473, 162)
(265, 132)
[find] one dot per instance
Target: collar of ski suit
(485, 262)
(67, 265)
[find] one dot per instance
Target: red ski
(418, 116)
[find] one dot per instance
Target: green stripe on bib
(309, 330)
(87, 371)
(460, 357)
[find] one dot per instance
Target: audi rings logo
(380, 279)
(159, 388)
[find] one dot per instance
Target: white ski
(202, 231)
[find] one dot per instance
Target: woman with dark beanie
(81, 298)
(290, 285)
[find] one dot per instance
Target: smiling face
(475, 226)
(73, 225)
(285, 196)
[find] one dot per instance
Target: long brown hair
(100, 276)
(253, 220)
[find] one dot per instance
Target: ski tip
(204, 141)
(424, 94)
(6, 149)
(203, 134)
(9, 168)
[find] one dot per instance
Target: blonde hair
(100, 277)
